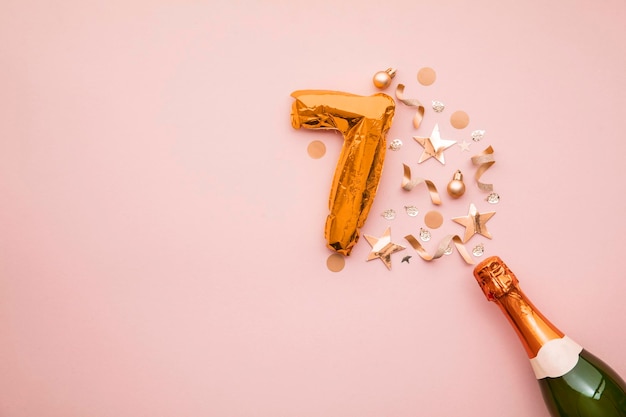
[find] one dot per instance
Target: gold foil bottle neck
(495, 278)
(501, 286)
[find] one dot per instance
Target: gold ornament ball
(456, 187)
(382, 79)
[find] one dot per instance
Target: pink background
(161, 224)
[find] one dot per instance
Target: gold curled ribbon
(484, 160)
(444, 244)
(408, 184)
(411, 102)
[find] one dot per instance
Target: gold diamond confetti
(411, 211)
(438, 106)
(478, 250)
(477, 135)
(395, 145)
(493, 198)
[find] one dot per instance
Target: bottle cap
(494, 278)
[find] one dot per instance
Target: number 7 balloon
(363, 121)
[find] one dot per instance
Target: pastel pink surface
(161, 224)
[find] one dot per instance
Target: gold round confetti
(426, 76)
(336, 262)
(433, 219)
(316, 149)
(459, 119)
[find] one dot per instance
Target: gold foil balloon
(363, 122)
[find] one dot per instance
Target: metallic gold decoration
(456, 187)
(479, 250)
(474, 222)
(382, 79)
(363, 122)
(443, 248)
(464, 146)
(484, 160)
(395, 145)
(433, 146)
(477, 135)
(438, 106)
(493, 198)
(411, 211)
(382, 247)
(408, 184)
(411, 102)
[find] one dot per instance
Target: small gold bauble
(382, 79)
(456, 187)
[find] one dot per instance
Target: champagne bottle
(574, 383)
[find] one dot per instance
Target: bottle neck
(551, 353)
(532, 327)
(500, 285)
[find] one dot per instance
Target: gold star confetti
(464, 146)
(406, 259)
(433, 146)
(475, 223)
(382, 248)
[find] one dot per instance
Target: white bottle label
(556, 358)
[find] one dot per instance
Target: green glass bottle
(574, 383)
